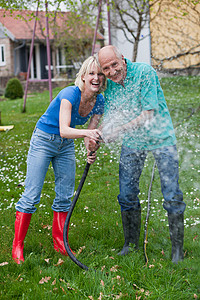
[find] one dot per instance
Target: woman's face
(93, 79)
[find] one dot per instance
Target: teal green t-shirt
(142, 92)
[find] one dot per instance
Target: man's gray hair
(115, 50)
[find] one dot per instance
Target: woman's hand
(91, 157)
(93, 134)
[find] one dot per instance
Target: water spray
(148, 214)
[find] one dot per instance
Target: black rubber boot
(131, 221)
(176, 230)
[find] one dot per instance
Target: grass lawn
(96, 229)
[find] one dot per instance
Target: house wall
(174, 32)
(119, 39)
(126, 48)
(8, 69)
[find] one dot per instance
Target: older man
(135, 88)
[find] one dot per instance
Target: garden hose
(77, 193)
(66, 243)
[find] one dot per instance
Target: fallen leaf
(163, 253)
(102, 268)
(118, 277)
(147, 293)
(195, 296)
(135, 285)
(101, 296)
(195, 238)
(47, 260)
(102, 283)
(63, 290)
(18, 276)
(111, 257)
(43, 280)
(120, 295)
(114, 268)
(151, 266)
(60, 262)
(46, 226)
(80, 249)
(54, 282)
(4, 264)
(90, 297)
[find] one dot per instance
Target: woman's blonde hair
(85, 69)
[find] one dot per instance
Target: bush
(14, 89)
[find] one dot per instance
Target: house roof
(19, 25)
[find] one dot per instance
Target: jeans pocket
(42, 135)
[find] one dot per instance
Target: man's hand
(111, 137)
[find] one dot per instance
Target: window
(2, 55)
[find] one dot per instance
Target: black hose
(66, 242)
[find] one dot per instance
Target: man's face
(112, 66)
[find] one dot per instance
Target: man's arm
(139, 121)
(146, 115)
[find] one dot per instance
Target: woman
(52, 141)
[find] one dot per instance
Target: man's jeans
(130, 169)
(46, 148)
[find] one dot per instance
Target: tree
(130, 17)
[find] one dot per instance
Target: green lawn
(96, 230)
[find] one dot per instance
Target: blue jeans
(130, 169)
(46, 148)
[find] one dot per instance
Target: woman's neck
(88, 97)
(87, 103)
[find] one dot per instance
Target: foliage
(14, 89)
(75, 36)
(96, 231)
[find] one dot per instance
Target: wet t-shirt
(142, 92)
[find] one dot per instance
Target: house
(175, 36)
(169, 40)
(16, 31)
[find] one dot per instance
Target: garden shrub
(14, 89)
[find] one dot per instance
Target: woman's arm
(64, 123)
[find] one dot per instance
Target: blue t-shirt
(142, 92)
(49, 121)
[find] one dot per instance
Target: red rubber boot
(21, 227)
(57, 231)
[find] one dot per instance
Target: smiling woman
(52, 141)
